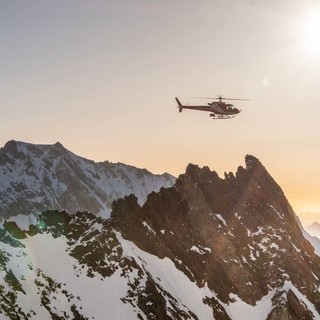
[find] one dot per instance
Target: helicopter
(218, 109)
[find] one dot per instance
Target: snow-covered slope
(36, 178)
(47, 289)
(123, 282)
(206, 248)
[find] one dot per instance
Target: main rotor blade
(235, 99)
(222, 98)
(205, 98)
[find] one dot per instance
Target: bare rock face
(238, 235)
(291, 308)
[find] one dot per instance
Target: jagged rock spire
(239, 235)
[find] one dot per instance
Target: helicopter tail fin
(179, 104)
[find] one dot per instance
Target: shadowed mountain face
(35, 178)
(206, 248)
(238, 235)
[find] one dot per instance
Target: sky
(101, 76)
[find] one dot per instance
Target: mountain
(314, 229)
(206, 248)
(35, 178)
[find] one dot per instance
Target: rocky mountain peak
(252, 162)
(11, 145)
(58, 145)
(23, 150)
(252, 184)
(237, 235)
(197, 174)
(59, 150)
(253, 168)
(39, 177)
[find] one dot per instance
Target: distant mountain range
(35, 178)
(205, 248)
(314, 229)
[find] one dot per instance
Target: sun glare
(310, 32)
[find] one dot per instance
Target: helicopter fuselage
(214, 107)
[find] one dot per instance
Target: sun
(310, 33)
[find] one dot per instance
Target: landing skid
(221, 116)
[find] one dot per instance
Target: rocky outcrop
(238, 235)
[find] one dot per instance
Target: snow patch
(199, 249)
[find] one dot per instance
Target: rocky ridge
(36, 178)
(206, 248)
(238, 235)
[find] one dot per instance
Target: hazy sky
(101, 77)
